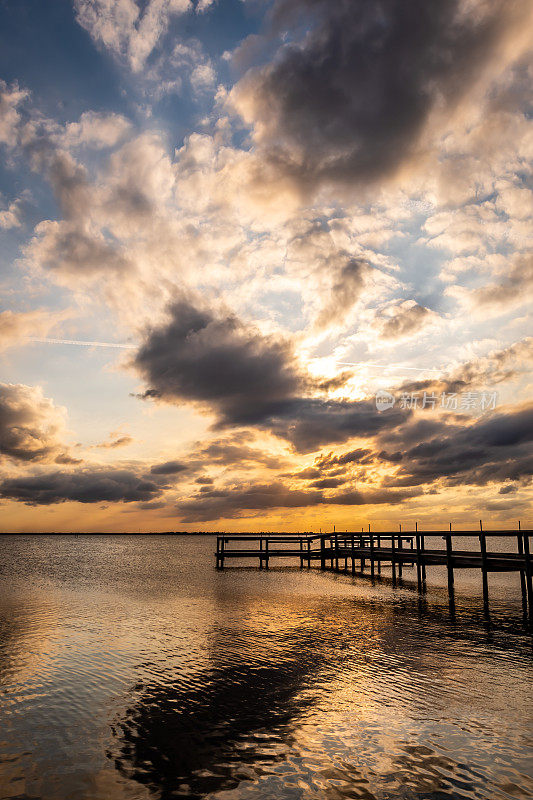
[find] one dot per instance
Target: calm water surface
(130, 668)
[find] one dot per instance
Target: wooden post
(345, 554)
(529, 579)
(483, 547)
(449, 561)
(379, 559)
(308, 553)
(418, 565)
(336, 552)
(393, 557)
(423, 547)
(266, 552)
(361, 545)
(218, 552)
(353, 554)
(323, 552)
(520, 544)
(301, 553)
(372, 554)
(400, 565)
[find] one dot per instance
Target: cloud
(234, 451)
(310, 423)
(498, 366)
(359, 456)
(72, 251)
(16, 327)
(186, 66)
(494, 449)
(128, 29)
(31, 426)
(239, 500)
(247, 379)
(514, 288)
(121, 441)
(97, 129)
(11, 217)
(356, 86)
(402, 319)
(169, 468)
(348, 284)
(91, 485)
(11, 97)
(218, 362)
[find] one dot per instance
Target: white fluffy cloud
(32, 427)
(127, 28)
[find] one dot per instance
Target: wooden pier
(352, 552)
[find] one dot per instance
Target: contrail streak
(82, 343)
(386, 366)
(129, 346)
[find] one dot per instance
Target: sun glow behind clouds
(250, 234)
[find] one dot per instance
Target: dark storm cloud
(347, 99)
(490, 450)
(236, 501)
(310, 423)
(197, 357)
(247, 380)
(358, 456)
(83, 486)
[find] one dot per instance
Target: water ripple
(130, 669)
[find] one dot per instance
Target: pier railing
(354, 551)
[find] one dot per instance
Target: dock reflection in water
(131, 669)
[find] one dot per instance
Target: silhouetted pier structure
(352, 552)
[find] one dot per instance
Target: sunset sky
(227, 225)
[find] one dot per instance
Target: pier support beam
(520, 548)
(418, 563)
(484, 571)
(449, 567)
(400, 564)
(529, 579)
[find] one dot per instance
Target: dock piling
(484, 571)
(418, 561)
(449, 561)
(520, 549)
(529, 579)
(400, 563)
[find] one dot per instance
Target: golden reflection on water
(134, 670)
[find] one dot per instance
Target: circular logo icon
(384, 400)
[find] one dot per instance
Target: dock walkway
(354, 551)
